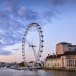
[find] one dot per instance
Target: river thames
(11, 72)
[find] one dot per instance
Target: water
(11, 72)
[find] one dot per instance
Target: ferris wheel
(37, 55)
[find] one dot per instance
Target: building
(62, 47)
(65, 57)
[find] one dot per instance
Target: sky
(56, 17)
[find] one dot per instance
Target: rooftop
(65, 43)
(59, 55)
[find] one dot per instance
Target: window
(48, 64)
(75, 62)
(69, 49)
(70, 62)
(67, 62)
(75, 49)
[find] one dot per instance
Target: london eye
(37, 55)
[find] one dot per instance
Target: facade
(65, 57)
(53, 61)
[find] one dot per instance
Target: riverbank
(62, 69)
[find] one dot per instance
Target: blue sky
(56, 17)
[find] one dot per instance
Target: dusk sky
(56, 17)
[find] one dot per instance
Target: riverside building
(65, 57)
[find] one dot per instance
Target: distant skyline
(56, 17)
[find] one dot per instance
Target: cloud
(11, 31)
(60, 2)
(10, 49)
(2, 52)
(11, 8)
(13, 48)
(15, 15)
(27, 13)
(13, 21)
(1, 31)
(49, 15)
(2, 41)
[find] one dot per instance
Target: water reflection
(11, 72)
(61, 73)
